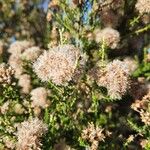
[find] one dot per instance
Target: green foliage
(74, 106)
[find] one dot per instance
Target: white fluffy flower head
(143, 6)
(115, 78)
(18, 47)
(29, 134)
(31, 53)
(6, 73)
(58, 64)
(17, 64)
(25, 83)
(109, 36)
(39, 97)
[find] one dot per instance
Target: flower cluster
(25, 83)
(6, 73)
(22, 50)
(143, 6)
(32, 53)
(74, 75)
(131, 63)
(4, 108)
(18, 47)
(29, 134)
(94, 135)
(109, 36)
(16, 63)
(115, 77)
(39, 97)
(58, 64)
(143, 108)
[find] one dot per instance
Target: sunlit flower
(4, 108)
(109, 36)
(10, 144)
(143, 108)
(25, 83)
(31, 54)
(93, 134)
(17, 64)
(29, 134)
(58, 64)
(6, 73)
(115, 77)
(131, 63)
(39, 97)
(17, 47)
(143, 6)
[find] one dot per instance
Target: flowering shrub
(74, 75)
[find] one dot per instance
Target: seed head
(29, 134)
(115, 78)
(25, 83)
(109, 36)
(31, 54)
(143, 6)
(58, 64)
(18, 47)
(6, 73)
(39, 97)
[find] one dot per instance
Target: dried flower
(94, 145)
(32, 53)
(136, 105)
(17, 64)
(143, 6)
(58, 64)
(143, 108)
(111, 4)
(144, 143)
(39, 97)
(93, 134)
(18, 109)
(146, 18)
(37, 111)
(130, 139)
(115, 78)
(4, 108)
(6, 73)
(29, 134)
(109, 36)
(145, 117)
(25, 83)
(131, 63)
(9, 143)
(18, 47)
